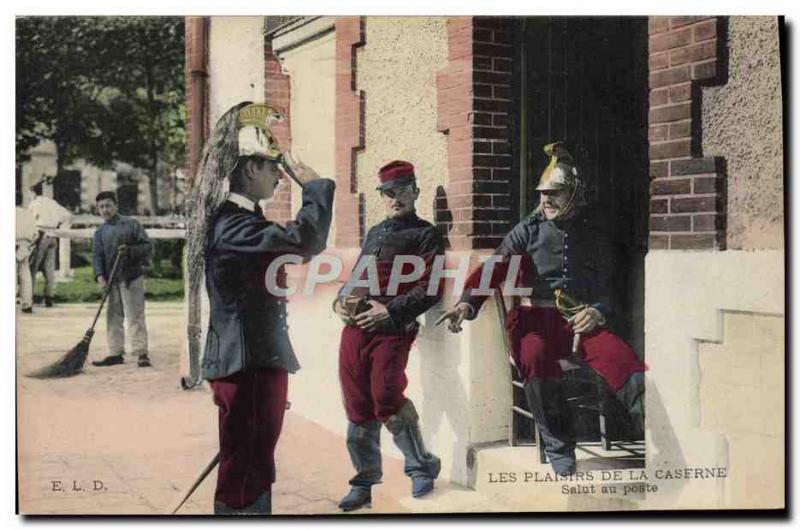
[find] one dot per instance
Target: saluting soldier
(379, 332)
(569, 266)
(248, 355)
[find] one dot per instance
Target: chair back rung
(522, 412)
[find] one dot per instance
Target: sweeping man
(248, 355)
(124, 236)
(570, 270)
(379, 332)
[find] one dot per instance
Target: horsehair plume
(218, 160)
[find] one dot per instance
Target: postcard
(299, 265)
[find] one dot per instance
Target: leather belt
(538, 302)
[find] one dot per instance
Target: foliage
(56, 98)
(107, 89)
(83, 289)
(142, 117)
(167, 259)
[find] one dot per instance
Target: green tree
(142, 119)
(56, 99)
(106, 89)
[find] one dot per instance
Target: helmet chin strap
(568, 208)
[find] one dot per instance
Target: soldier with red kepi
(379, 332)
(569, 266)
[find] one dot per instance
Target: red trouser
(372, 370)
(251, 407)
(540, 337)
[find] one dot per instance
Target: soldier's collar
(559, 222)
(412, 216)
(241, 201)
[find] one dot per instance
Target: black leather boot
(552, 416)
(631, 394)
(423, 467)
(111, 360)
(261, 506)
(364, 446)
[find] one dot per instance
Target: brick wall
(277, 93)
(687, 190)
(349, 127)
(474, 109)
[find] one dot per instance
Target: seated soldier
(570, 261)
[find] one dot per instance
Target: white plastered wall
(686, 295)
(397, 72)
(459, 384)
(235, 63)
(312, 73)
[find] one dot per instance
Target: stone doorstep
(514, 477)
(452, 498)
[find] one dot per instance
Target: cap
(396, 174)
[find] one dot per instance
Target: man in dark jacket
(248, 355)
(126, 237)
(567, 260)
(378, 336)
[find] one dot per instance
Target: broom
(72, 362)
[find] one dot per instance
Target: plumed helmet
(561, 172)
(255, 131)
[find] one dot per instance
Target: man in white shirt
(26, 236)
(49, 216)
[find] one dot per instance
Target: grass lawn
(82, 288)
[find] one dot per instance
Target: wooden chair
(593, 395)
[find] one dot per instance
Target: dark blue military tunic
(407, 235)
(247, 327)
(572, 254)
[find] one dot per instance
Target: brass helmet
(561, 172)
(255, 131)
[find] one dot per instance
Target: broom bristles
(70, 364)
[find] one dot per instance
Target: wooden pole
(199, 480)
(197, 53)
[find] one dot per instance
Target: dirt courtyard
(128, 440)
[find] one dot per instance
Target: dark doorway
(584, 81)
